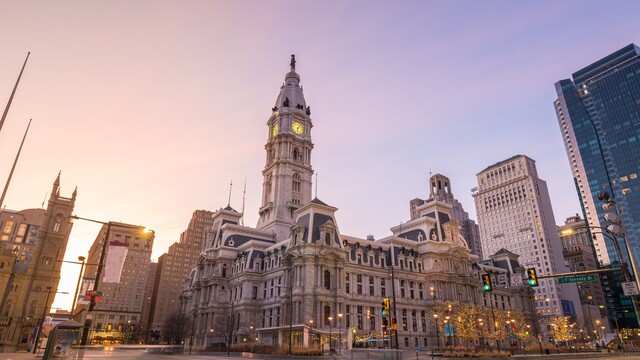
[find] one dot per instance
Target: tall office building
(599, 115)
(174, 267)
(117, 316)
(514, 212)
(440, 189)
(32, 247)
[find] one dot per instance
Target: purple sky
(152, 107)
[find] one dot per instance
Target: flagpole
(6, 109)
(6, 185)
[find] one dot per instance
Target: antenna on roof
(244, 193)
(43, 200)
(230, 186)
(316, 194)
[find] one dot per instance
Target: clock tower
(287, 173)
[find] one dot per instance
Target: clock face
(297, 127)
(274, 129)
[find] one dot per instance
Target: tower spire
(15, 87)
(6, 185)
(230, 187)
(293, 62)
(244, 193)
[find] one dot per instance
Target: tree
(176, 327)
(562, 329)
(467, 322)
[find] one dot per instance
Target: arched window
(327, 238)
(267, 192)
(7, 307)
(296, 155)
(296, 182)
(327, 280)
(56, 226)
(33, 307)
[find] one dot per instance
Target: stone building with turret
(296, 279)
(32, 247)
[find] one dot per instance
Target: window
(327, 280)
(327, 314)
(8, 226)
(296, 182)
(327, 238)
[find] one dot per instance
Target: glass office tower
(599, 115)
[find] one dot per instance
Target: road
(131, 354)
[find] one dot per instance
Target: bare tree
(176, 327)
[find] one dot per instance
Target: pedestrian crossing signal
(533, 278)
(486, 282)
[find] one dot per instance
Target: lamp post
(330, 334)
(435, 316)
(339, 334)
(481, 333)
(96, 283)
(75, 297)
(446, 332)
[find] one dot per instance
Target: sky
(152, 108)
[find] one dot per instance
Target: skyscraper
(514, 212)
(174, 266)
(598, 112)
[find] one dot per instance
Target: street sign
(630, 288)
(576, 278)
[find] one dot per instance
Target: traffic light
(533, 278)
(486, 282)
(611, 216)
(385, 307)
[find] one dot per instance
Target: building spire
(15, 87)
(6, 185)
(293, 62)
(230, 187)
(244, 193)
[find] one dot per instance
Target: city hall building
(295, 277)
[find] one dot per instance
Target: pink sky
(151, 108)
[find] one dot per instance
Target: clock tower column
(287, 173)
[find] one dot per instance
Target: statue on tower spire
(293, 62)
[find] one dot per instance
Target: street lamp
(340, 334)
(75, 297)
(435, 316)
(103, 251)
(481, 333)
(330, 334)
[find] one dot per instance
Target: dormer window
(327, 239)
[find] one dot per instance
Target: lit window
(626, 191)
(624, 178)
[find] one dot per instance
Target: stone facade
(296, 279)
(32, 247)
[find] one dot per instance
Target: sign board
(576, 278)
(630, 288)
(516, 280)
